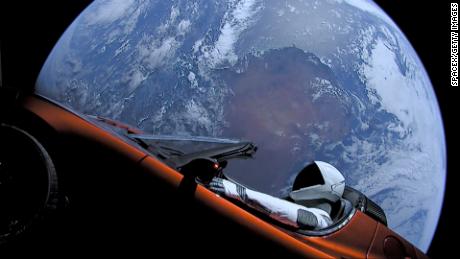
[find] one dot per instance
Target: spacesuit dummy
(329, 188)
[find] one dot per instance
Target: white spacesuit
(318, 185)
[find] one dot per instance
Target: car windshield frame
(158, 146)
(228, 149)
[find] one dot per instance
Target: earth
(305, 80)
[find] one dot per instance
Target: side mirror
(204, 169)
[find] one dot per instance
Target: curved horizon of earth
(305, 80)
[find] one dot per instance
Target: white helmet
(318, 181)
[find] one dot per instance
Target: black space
(29, 29)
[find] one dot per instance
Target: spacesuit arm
(281, 210)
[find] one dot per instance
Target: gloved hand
(217, 185)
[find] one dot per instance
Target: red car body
(361, 236)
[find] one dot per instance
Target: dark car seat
(341, 209)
